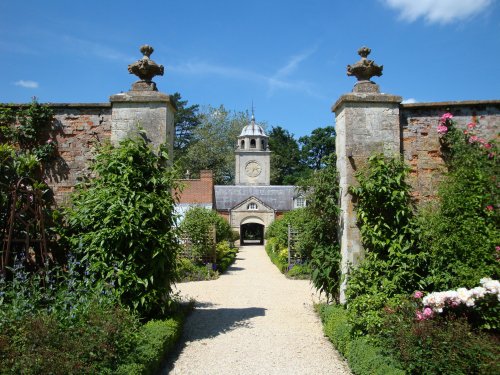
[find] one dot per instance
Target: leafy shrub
(320, 232)
(363, 355)
(277, 254)
(299, 271)
(122, 223)
(442, 345)
(225, 256)
(155, 339)
(393, 264)
(198, 224)
(461, 232)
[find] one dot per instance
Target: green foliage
(155, 339)
(122, 224)
(461, 232)
(393, 264)
(26, 148)
(189, 270)
(442, 345)
(212, 144)
(198, 224)
(61, 321)
(186, 121)
(320, 231)
(225, 256)
(278, 254)
(286, 167)
(317, 147)
(363, 355)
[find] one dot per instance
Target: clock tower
(253, 158)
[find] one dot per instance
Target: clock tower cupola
(253, 158)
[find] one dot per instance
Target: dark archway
(252, 234)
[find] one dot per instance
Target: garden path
(253, 320)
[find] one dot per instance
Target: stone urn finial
(364, 70)
(145, 69)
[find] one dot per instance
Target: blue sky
(288, 57)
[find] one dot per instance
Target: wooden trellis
(208, 257)
(25, 229)
(293, 253)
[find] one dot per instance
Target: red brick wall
(78, 128)
(198, 190)
(420, 140)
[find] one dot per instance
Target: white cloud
(438, 11)
(409, 101)
(27, 84)
(278, 80)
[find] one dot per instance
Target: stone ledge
(61, 105)
(451, 104)
(366, 98)
(141, 97)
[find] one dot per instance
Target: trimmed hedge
(363, 356)
(156, 339)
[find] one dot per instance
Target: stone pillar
(144, 107)
(150, 110)
(367, 122)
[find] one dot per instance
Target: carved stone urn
(364, 70)
(145, 69)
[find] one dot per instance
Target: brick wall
(77, 129)
(198, 190)
(420, 140)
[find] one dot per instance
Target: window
(252, 206)
(300, 202)
(252, 143)
(242, 144)
(262, 145)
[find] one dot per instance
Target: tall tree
(317, 146)
(186, 121)
(213, 143)
(286, 168)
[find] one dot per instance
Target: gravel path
(253, 320)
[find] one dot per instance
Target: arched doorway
(252, 231)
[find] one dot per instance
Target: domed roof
(253, 129)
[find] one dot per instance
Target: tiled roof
(279, 198)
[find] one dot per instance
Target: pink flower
(497, 248)
(418, 294)
(471, 125)
(473, 139)
(441, 129)
(489, 207)
(491, 155)
(420, 316)
(466, 132)
(487, 145)
(49, 141)
(428, 312)
(446, 116)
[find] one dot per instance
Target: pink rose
(497, 248)
(49, 141)
(441, 129)
(471, 125)
(428, 312)
(446, 116)
(473, 139)
(489, 207)
(487, 145)
(418, 294)
(420, 316)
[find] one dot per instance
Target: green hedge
(363, 356)
(156, 339)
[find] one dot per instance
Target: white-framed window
(252, 206)
(300, 202)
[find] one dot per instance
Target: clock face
(253, 169)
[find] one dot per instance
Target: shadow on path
(205, 323)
